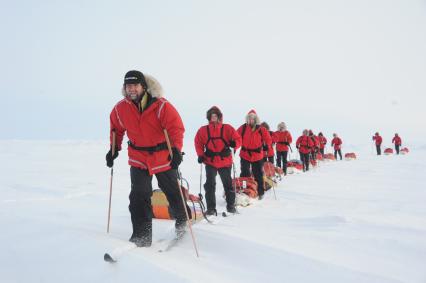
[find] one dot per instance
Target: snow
(345, 221)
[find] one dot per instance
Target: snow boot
(231, 209)
(142, 235)
(211, 211)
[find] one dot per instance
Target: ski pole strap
(150, 149)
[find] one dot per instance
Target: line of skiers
(155, 132)
(396, 140)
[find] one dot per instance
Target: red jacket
(397, 140)
(304, 144)
(146, 130)
(322, 141)
(337, 143)
(315, 140)
(280, 137)
(378, 139)
(252, 142)
(270, 149)
(205, 147)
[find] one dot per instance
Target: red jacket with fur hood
(217, 143)
(253, 139)
(146, 129)
(304, 144)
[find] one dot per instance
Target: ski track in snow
(345, 221)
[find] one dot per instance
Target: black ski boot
(142, 235)
(211, 211)
(231, 209)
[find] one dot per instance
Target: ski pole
(110, 181)
(188, 222)
(273, 188)
(201, 180)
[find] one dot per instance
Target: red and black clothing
(148, 155)
(378, 140)
(322, 143)
(337, 144)
(212, 144)
(304, 144)
(397, 141)
(283, 139)
(251, 153)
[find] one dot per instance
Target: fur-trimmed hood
(282, 127)
(253, 114)
(154, 87)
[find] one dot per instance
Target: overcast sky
(354, 67)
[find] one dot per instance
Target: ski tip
(109, 258)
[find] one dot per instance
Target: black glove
(265, 147)
(232, 144)
(200, 159)
(110, 158)
(177, 158)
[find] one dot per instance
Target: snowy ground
(349, 221)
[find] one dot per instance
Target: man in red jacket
(144, 115)
(268, 152)
(316, 146)
(378, 140)
(304, 144)
(397, 141)
(283, 139)
(213, 144)
(322, 142)
(253, 138)
(336, 142)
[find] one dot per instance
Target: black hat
(135, 77)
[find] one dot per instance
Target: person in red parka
(283, 139)
(144, 115)
(336, 142)
(378, 140)
(253, 138)
(268, 152)
(397, 141)
(316, 146)
(304, 144)
(322, 142)
(213, 144)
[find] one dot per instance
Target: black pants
(140, 196)
(338, 151)
(378, 149)
(210, 186)
(257, 169)
(397, 148)
(304, 157)
(282, 159)
(322, 151)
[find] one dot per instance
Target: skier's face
(134, 91)
(252, 121)
(214, 118)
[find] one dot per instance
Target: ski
(227, 214)
(117, 252)
(172, 243)
(128, 247)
